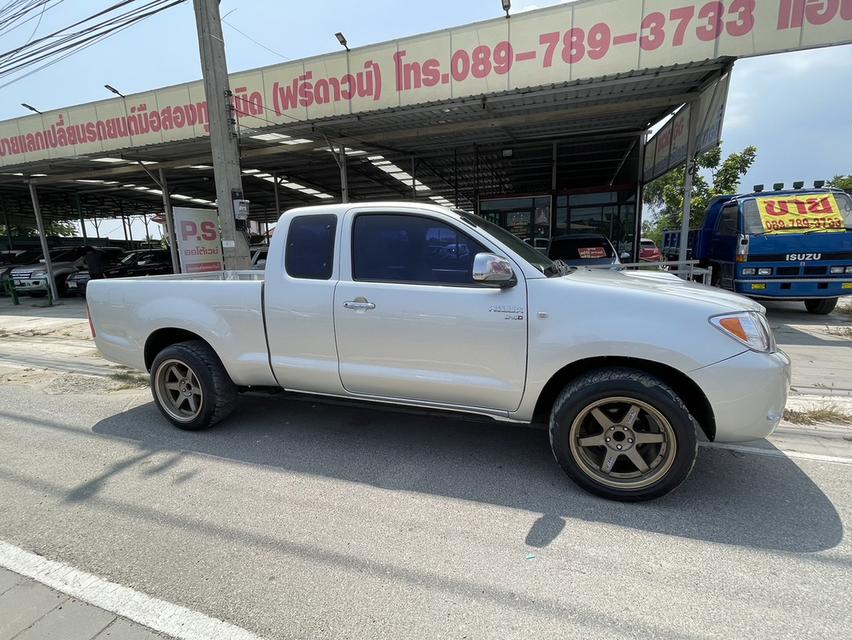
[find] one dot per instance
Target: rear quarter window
(310, 247)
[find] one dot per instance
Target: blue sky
(796, 107)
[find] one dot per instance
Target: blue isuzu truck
(782, 245)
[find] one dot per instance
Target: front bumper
(23, 285)
(747, 394)
(794, 288)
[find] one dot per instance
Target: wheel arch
(166, 337)
(691, 394)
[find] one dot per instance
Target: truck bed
(224, 306)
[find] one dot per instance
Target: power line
(8, 26)
(259, 44)
(38, 24)
(64, 44)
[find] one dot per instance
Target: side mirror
(491, 269)
(624, 256)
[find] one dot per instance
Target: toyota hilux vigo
(418, 305)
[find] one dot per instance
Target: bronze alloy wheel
(623, 443)
(179, 390)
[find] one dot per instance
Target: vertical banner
(711, 114)
(198, 239)
(670, 141)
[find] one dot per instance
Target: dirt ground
(51, 348)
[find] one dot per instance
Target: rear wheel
(821, 307)
(191, 387)
(623, 435)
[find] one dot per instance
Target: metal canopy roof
(487, 145)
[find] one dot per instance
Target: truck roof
(787, 192)
(389, 204)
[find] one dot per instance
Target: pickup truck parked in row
(32, 279)
(418, 305)
(779, 245)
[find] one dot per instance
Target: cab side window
(413, 249)
(728, 223)
(310, 247)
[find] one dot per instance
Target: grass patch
(129, 380)
(823, 415)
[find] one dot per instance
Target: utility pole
(223, 134)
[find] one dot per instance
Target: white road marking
(777, 453)
(159, 615)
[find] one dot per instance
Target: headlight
(38, 274)
(765, 271)
(749, 271)
(848, 269)
(748, 327)
(836, 270)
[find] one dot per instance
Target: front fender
(575, 323)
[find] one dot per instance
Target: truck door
(411, 323)
(298, 300)
(723, 246)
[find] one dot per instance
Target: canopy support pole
(687, 185)
(82, 221)
(456, 176)
(51, 285)
(170, 222)
(344, 178)
(640, 187)
(275, 182)
(8, 227)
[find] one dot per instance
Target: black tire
(821, 307)
(664, 417)
(218, 393)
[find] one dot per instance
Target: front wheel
(191, 387)
(623, 435)
(821, 307)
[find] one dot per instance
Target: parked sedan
(146, 262)
(583, 250)
(648, 251)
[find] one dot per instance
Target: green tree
(54, 228)
(714, 177)
(841, 182)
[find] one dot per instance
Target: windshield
(814, 212)
(581, 248)
(535, 257)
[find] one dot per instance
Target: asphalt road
(302, 520)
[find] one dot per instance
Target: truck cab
(782, 245)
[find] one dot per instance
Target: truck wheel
(191, 387)
(821, 307)
(623, 435)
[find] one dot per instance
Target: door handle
(359, 304)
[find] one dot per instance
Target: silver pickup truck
(417, 305)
